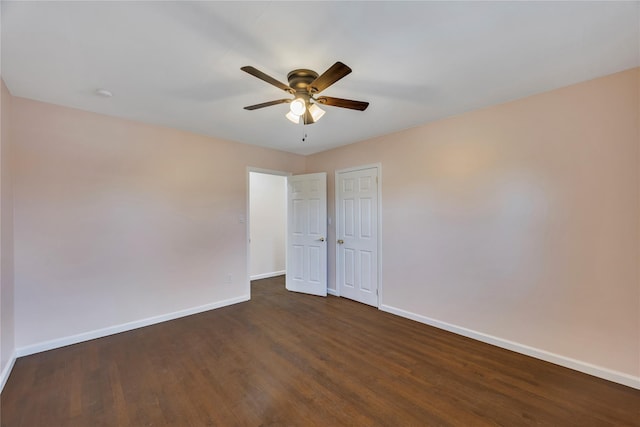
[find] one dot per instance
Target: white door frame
(378, 166)
(248, 217)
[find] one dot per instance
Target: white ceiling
(178, 63)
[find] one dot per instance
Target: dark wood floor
(291, 359)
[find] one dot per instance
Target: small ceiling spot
(104, 93)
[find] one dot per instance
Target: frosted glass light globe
(297, 106)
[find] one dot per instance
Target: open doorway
(287, 229)
(267, 223)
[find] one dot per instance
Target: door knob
(321, 239)
(340, 242)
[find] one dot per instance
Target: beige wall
(518, 221)
(7, 342)
(117, 221)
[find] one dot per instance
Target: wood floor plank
(297, 360)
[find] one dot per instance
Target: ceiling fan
(305, 85)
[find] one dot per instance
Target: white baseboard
(99, 333)
(4, 375)
(333, 292)
(267, 275)
(567, 362)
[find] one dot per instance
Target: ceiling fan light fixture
(304, 85)
(316, 112)
(295, 119)
(298, 106)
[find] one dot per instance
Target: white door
(306, 233)
(357, 235)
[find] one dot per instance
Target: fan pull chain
(304, 136)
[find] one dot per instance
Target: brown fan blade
(262, 76)
(344, 103)
(307, 117)
(329, 77)
(267, 104)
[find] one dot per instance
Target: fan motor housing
(301, 78)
